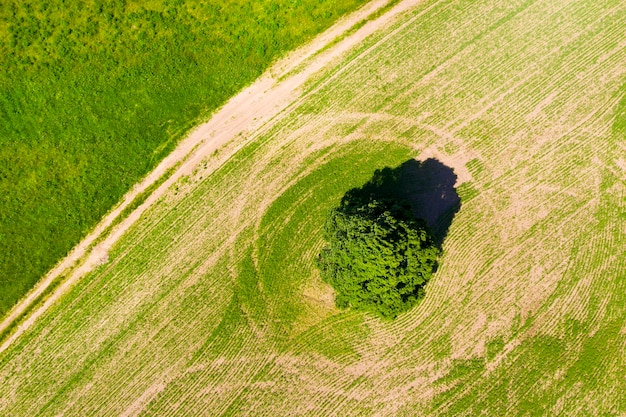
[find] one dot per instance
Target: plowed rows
(211, 304)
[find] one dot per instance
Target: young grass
(210, 305)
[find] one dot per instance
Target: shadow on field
(427, 186)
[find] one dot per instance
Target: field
(211, 305)
(94, 94)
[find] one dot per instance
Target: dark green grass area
(93, 94)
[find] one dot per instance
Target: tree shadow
(428, 187)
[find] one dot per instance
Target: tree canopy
(379, 255)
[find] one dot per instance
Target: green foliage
(379, 256)
(93, 94)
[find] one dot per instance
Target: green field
(212, 305)
(93, 94)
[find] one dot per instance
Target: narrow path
(253, 107)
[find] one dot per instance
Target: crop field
(211, 304)
(93, 94)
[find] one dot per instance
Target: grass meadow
(211, 304)
(94, 94)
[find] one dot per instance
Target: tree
(379, 256)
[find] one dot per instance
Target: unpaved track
(249, 110)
